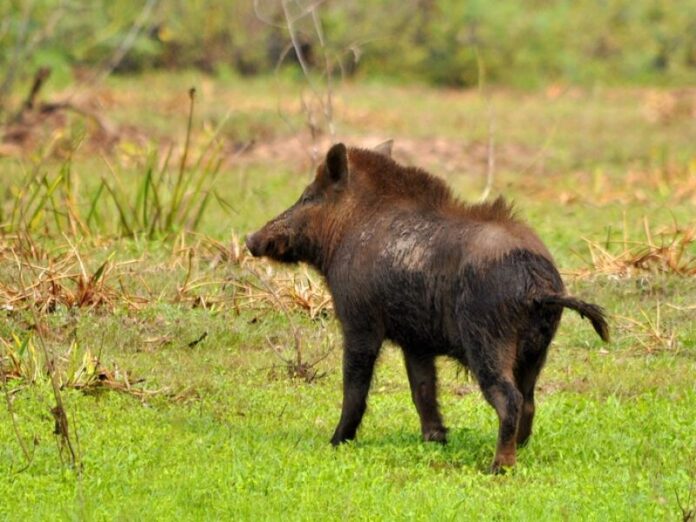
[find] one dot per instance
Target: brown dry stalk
(29, 456)
(62, 426)
(687, 508)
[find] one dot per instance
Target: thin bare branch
(29, 456)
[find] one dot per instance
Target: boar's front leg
(423, 380)
(359, 355)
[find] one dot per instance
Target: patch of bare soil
(442, 156)
(660, 106)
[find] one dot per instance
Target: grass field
(175, 353)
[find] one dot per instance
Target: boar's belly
(418, 311)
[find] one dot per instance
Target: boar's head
(303, 232)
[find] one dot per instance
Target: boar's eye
(308, 196)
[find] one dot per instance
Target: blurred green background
(444, 42)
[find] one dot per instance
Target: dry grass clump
(253, 284)
(214, 275)
(43, 281)
(667, 251)
(300, 291)
(651, 332)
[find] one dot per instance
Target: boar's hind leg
(531, 357)
(526, 376)
(359, 356)
(504, 396)
(423, 380)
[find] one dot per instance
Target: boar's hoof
(337, 440)
(436, 435)
(502, 463)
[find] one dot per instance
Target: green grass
(609, 444)
(229, 435)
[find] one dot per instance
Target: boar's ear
(385, 148)
(337, 163)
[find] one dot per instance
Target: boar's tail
(588, 310)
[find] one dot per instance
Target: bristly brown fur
(388, 178)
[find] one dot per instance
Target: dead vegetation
(663, 250)
(43, 281)
(42, 124)
(214, 275)
(651, 332)
(668, 180)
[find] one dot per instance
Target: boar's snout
(265, 243)
(253, 243)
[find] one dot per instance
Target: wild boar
(405, 260)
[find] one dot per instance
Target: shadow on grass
(465, 448)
